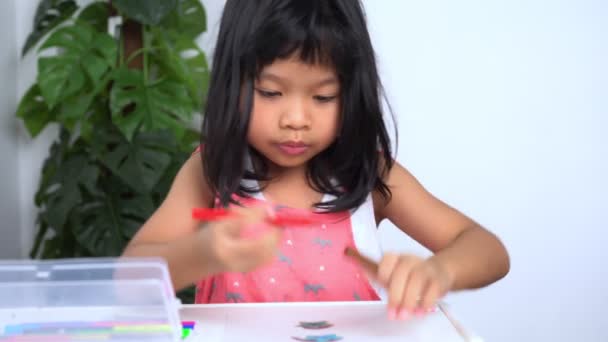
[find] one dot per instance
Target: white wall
(30, 153)
(502, 111)
(500, 108)
(9, 204)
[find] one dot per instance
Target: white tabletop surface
(351, 321)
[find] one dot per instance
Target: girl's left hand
(414, 284)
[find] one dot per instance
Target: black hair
(253, 34)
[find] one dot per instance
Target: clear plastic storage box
(88, 300)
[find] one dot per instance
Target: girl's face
(295, 113)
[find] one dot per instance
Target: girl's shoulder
(379, 203)
(394, 177)
(191, 182)
(385, 174)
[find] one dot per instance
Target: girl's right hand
(228, 245)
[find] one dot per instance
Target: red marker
(214, 214)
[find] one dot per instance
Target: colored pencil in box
(187, 327)
(86, 328)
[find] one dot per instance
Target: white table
(352, 321)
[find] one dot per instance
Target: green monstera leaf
(72, 110)
(64, 179)
(84, 57)
(96, 15)
(60, 246)
(184, 61)
(53, 247)
(141, 163)
(34, 111)
(97, 116)
(49, 14)
(159, 105)
(189, 19)
(68, 174)
(105, 223)
(147, 12)
(43, 227)
(57, 153)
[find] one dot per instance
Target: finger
(231, 227)
(258, 223)
(367, 265)
(398, 282)
(430, 296)
(253, 231)
(416, 286)
(256, 252)
(267, 241)
(252, 214)
(385, 268)
(244, 218)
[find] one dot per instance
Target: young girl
(294, 117)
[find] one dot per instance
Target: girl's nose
(295, 117)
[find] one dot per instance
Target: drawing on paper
(319, 338)
(315, 325)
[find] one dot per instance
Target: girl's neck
(289, 175)
(290, 187)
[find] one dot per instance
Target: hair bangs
(308, 30)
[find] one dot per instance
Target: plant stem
(121, 46)
(146, 47)
(138, 52)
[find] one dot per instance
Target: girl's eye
(267, 93)
(323, 99)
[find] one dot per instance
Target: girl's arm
(171, 232)
(465, 254)
(192, 252)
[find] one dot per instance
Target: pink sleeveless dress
(309, 266)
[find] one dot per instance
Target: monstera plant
(124, 115)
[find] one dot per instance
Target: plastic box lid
(88, 300)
